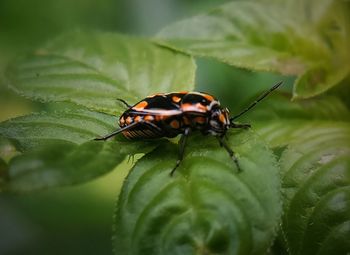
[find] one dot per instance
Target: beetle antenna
(124, 102)
(261, 97)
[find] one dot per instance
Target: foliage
(267, 36)
(315, 171)
(188, 214)
(93, 69)
(92, 75)
(207, 207)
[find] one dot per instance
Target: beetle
(171, 114)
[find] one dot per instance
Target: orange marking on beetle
(140, 106)
(159, 117)
(200, 120)
(176, 99)
(188, 107)
(194, 107)
(175, 124)
(208, 97)
(202, 107)
(157, 94)
(138, 118)
(128, 120)
(222, 118)
(121, 121)
(148, 118)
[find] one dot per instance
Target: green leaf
(73, 125)
(207, 207)
(90, 70)
(94, 69)
(3, 173)
(316, 188)
(63, 163)
(278, 107)
(281, 122)
(308, 39)
(58, 148)
(313, 137)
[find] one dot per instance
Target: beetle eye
(204, 101)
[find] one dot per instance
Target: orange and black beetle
(171, 114)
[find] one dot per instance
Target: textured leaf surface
(91, 70)
(63, 163)
(207, 207)
(58, 149)
(315, 136)
(281, 122)
(316, 184)
(267, 36)
(74, 125)
(94, 69)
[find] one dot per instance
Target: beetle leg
(124, 102)
(117, 132)
(182, 144)
(230, 152)
(244, 126)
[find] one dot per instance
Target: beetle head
(219, 121)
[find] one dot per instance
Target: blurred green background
(78, 220)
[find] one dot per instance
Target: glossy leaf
(73, 125)
(313, 138)
(316, 181)
(58, 148)
(308, 39)
(64, 163)
(207, 207)
(94, 69)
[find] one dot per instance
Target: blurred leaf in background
(74, 220)
(26, 24)
(313, 46)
